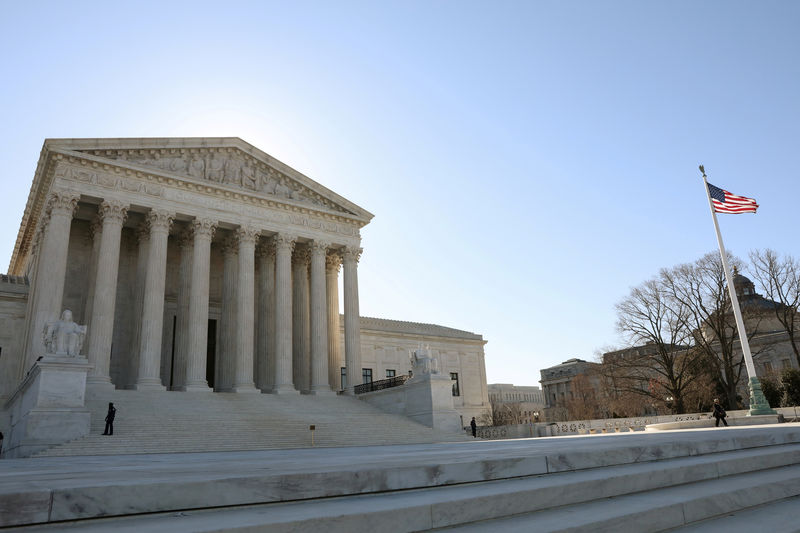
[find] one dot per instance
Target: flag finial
(703, 170)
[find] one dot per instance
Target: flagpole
(758, 403)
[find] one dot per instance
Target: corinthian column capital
(113, 211)
(333, 261)
(284, 242)
(204, 227)
(61, 203)
(160, 220)
(247, 234)
(352, 253)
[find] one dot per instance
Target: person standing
(474, 427)
(719, 413)
(112, 412)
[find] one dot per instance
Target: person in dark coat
(110, 419)
(719, 413)
(474, 427)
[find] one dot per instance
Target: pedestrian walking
(112, 412)
(474, 426)
(719, 413)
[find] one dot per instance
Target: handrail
(381, 384)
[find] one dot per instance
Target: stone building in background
(526, 403)
(564, 387)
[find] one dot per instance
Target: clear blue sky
(526, 162)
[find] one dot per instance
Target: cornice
(206, 143)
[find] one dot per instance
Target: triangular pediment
(225, 162)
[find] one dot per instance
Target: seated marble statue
(422, 362)
(64, 337)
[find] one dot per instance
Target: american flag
(725, 202)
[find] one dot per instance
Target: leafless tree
(584, 403)
(658, 326)
(700, 288)
(779, 278)
(502, 414)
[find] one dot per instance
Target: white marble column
(143, 241)
(333, 262)
(186, 244)
(113, 215)
(245, 310)
(226, 352)
(153, 302)
(51, 268)
(352, 327)
(319, 320)
(301, 327)
(198, 306)
(283, 314)
(265, 360)
(95, 230)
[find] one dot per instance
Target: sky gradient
(527, 162)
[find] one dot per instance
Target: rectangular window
(785, 363)
(366, 375)
(344, 378)
(390, 373)
(768, 367)
(456, 388)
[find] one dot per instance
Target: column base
(99, 384)
(284, 389)
(246, 389)
(195, 387)
(149, 386)
(322, 391)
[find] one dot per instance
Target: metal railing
(380, 385)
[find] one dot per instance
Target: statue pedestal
(48, 407)
(429, 401)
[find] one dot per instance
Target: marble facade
(198, 264)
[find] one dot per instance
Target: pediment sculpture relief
(225, 167)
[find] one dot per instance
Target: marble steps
(662, 509)
(636, 496)
(160, 422)
(776, 517)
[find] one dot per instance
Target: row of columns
(285, 331)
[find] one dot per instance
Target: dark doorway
(211, 352)
(172, 357)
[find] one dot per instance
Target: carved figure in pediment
(177, 164)
(281, 189)
(197, 167)
(64, 337)
(248, 177)
(233, 171)
(216, 168)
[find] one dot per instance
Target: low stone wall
(606, 425)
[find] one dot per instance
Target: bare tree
(658, 326)
(700, 287)
(779, 278)
(583, 403)
(502, 414)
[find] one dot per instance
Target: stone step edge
(479, 504)
(658, 509)
(162, 496)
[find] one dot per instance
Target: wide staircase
(731, 479)
(163, 422)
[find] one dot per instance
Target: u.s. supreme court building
(204, 264)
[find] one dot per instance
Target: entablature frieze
(194, 200)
